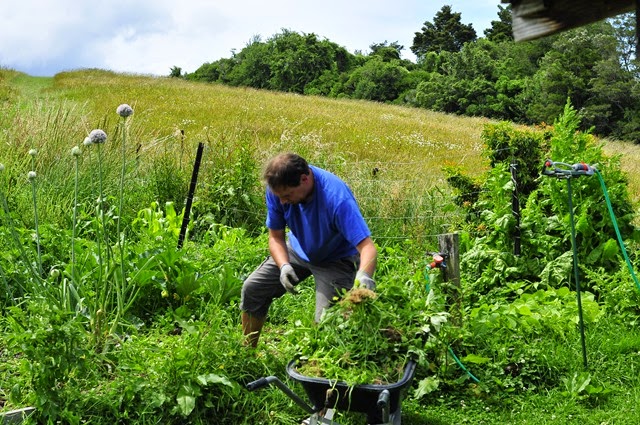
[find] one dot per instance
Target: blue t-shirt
(327, 227)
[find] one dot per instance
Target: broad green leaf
(426, 386)
(212, 378)
(583, 225)
(508, 186)
(437, 320)
(594, 255)
(504, 222)
(610, 249)
(186, 399)
(473, 358)
(581, 381)
(158, 399)
(186, 324)
(431, 296)
(593, 390)
(553, 223)
(524, 310)
(558, 270)
(187, 283)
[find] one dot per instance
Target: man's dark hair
(285, 170)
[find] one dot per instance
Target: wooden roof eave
(537, 18)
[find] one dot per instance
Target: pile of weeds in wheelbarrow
(368, 337)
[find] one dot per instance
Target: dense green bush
(544, 215)
(493, 77)
(531, 296)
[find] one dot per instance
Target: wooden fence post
(449, 245)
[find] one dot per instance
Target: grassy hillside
(358, 131)
(401, 142)
(630, 163)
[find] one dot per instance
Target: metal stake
(566, 171)
(576, 275)
(192, 189)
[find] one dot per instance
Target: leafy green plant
(155, 224)
(519, 149)
(368, 337)
(535, 313)
(231, 193)
(92, 276)
(616, 291)
(579, 387)
(169, 182)
(528, 297)
(467, 191)
(180, 370)
(56, 355)
(544, 217)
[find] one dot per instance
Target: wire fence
(395, 206)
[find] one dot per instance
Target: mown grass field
(407, 148)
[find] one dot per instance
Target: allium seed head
(98, 136)
(87, 141)
(75, 151)
(31, 175)
(33, 152)
(124, 110)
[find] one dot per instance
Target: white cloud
(151, 36)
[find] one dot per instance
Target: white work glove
(363, 280)
(288, 278)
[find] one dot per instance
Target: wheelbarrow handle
(263, 382)
(258, 383)
(383, 398)
(383, 404)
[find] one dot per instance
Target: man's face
(297, 194)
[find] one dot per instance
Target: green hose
(615, 226)
(457, 360)
(476, 380)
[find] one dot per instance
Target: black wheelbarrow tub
(362, 398)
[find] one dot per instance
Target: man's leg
(251, 327)
(258, 292)
(331, 279)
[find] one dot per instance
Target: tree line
(457, 72)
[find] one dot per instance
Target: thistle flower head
(98, 136)
(31, 176)
(33, 152)
(75, 151)
(87, 141)
(124, 110)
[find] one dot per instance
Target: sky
(44, 37)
